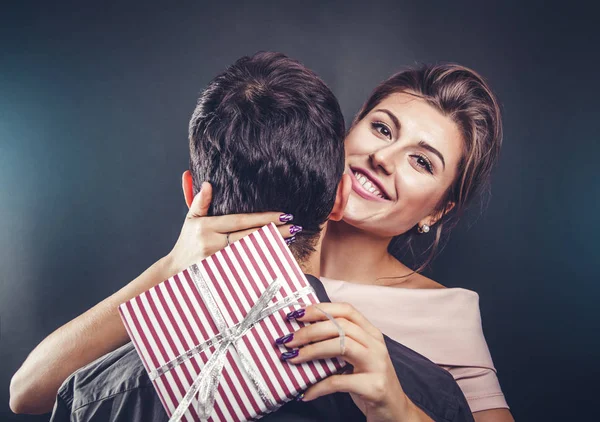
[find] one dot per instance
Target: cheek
(413, 206)
(418, 194)
(414, 186)
(358, 142)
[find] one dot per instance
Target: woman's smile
(366, 186)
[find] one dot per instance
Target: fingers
(340, 310)
(325, 330)
(362, 384)
(239, 222)
(201, 201)
(243, 223)
(354, 352)
(288, 230)
(237, 235)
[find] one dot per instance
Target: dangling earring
(423, 229)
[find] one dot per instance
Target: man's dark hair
(268, 134)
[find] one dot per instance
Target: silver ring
(228, 239)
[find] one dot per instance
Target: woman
(419, 150)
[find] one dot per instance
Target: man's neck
(312, 265)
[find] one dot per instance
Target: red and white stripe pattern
(171, 318)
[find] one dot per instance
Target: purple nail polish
(290, 240)
(299, 313)
(285, 218)
(285, 339)
(295, 229)
(290, 354)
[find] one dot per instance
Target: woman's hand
(202, 236)
(373, 383)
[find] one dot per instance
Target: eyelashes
(421, 160)
(424, 162)
(382, 129)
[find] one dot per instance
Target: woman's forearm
(493, 415)
(94, 333)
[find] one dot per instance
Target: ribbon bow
(207, 382)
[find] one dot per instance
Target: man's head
(268, 134)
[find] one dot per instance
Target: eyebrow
(422, 144)
(428, 147)
(391, 116)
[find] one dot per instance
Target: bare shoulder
(414, 280)
(419, 281)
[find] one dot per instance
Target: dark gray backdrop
(94, 105)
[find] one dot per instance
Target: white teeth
(366, 183)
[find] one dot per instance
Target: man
(268, 134)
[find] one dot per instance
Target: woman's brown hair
(464, 96)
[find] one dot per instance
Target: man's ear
(341, 198)
(188, 188)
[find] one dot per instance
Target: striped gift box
(172, 320)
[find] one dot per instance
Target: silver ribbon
(339, 328)
(207, 382)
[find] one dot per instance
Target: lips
(367, 186)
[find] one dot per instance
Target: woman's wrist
(169, 266)
(396, 408)
(166, 265)
(404, 410)
(413, 413)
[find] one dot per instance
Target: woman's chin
(360, 219)
(372, 218)
(359, 208)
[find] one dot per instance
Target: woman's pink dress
(443, 325)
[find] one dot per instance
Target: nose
(383, 160)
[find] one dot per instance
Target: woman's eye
(383, 129)
(423, 161)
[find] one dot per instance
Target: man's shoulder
(115, 373)
(429, 386)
